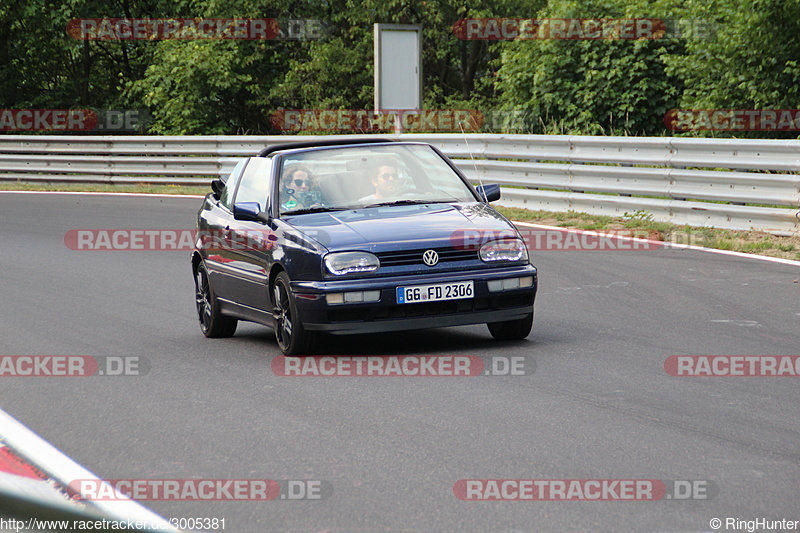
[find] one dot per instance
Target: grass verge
(99, 187)
(751, 241)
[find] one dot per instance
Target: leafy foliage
(592, 86)
(753, 62)
(563, 86)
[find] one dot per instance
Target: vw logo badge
(430, 258)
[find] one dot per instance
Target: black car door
(251, 243)
(213, 221)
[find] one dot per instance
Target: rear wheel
(511, 329)
(292, 337)
(213, 323)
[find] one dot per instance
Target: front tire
(213, 323)
(292, 337)
(512, 330)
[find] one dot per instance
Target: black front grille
(366, 313)
(414, 257)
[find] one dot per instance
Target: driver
(299, 189)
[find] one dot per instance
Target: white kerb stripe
(54, 463)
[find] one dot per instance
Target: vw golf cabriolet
(357, 236)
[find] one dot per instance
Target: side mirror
(250, 211)
(217, 186)
(490, 192)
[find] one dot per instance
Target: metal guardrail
(664, 176)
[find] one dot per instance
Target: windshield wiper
(320, 209)
(409, 202)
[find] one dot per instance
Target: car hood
(389, 228)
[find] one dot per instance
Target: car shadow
(437, 341)
(431, 341)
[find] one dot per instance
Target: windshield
(364, 176)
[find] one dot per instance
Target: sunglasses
(300, 182)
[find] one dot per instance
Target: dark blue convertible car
(357, 236)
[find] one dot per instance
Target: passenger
(386, 181)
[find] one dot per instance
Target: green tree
(338, 73)
(43, 66)
(751, 64)
(592, 86)
(213, 86)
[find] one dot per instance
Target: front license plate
(434, 293)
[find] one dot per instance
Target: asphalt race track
(597, 403)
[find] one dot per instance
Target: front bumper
(387, 315)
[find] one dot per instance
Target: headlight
(341, 263)
(503, 250)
